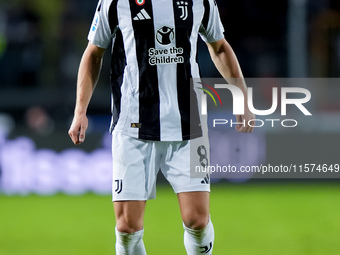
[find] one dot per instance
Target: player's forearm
(88, 75)
(227, 64)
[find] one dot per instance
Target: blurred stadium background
(55, 198)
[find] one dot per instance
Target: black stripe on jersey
(118, 63)
(188, 108)
(149, 110)
(100, 6)
(206, 14)
(113, 16)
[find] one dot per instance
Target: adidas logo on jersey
(142, 15)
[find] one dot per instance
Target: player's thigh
(178, 167)
(129, 215)
(194, 208)
(135, 166)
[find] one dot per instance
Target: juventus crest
(119, 186)
(184, 7)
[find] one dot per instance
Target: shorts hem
(131, 198)
(203, 189)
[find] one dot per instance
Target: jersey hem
(156, 138)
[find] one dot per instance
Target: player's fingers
(251, 124)
(245, 129)
(73, 133)
(251, 128)
(248, 128)
(240, 127)
(82, 132)
(246, 124)
(73, 136)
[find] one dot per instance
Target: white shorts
(136, 164)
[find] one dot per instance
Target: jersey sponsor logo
(184, 7)
(142, 15)
(119, 186)
(165, 56)
(140, 2)
(165, 35)
(172, 55)
(206, 249)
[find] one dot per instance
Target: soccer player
(154, 48)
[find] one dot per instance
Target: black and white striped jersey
(153, 59)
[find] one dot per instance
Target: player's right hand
(78, 129)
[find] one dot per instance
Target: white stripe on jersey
(170, 118)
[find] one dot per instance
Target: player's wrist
(80, 113)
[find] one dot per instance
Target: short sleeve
(101, 32)
(211, 29)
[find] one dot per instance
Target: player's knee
(196, 221)
(129, 225)
(126, 228)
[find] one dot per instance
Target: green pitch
(294, 219)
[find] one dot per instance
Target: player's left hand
(78, 129)
(246, 119)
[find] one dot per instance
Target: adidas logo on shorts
(206, 179)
